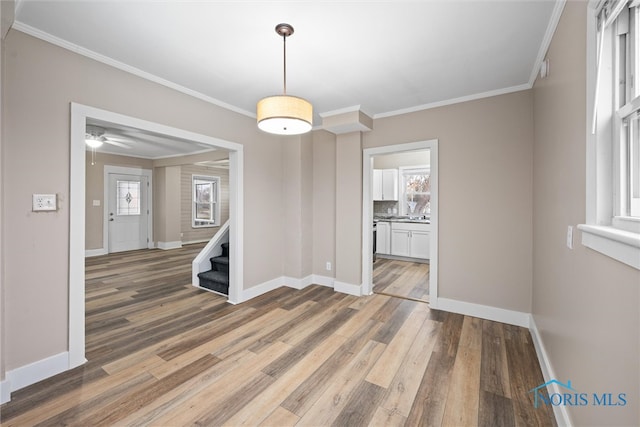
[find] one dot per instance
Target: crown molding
(42, 35)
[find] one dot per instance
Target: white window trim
(599, 233)
(216, 222)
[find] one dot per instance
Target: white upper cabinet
(385, 184)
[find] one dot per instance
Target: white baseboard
(292, 282)
(94, 252)
(5, 391)
(190, 242)
(37, 371)
(170, 245)
(260, 289)
(559, 411)
(322, 280)
(347, 288)
(312, 279)
(496, 314)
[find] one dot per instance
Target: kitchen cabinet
(419, 244)
(410, 240)
(400, 242)
(385, 184)
(383, 238)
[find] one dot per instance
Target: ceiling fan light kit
(284, 114)
(93, 136)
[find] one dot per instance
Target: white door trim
(367, 212)
(108, 169)
(77, 157)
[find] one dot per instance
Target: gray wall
(585, 304)
(485, 194)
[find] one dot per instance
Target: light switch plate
(44, 202)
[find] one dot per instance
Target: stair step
(225, 249)
(220, 260)
(220, 263)
(215, 280)
(215, 276)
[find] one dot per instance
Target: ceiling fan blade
(117, 137)
(116, 143)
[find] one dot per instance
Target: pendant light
(284, 114)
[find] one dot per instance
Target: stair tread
(220, 259)
(215, 276)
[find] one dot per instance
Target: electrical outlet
(328, 266)
(44, 202)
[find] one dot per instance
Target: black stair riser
(220, 263)
(223, 268)
(215, 286)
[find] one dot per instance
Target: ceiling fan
(95, 136)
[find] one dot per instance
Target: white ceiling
(387, 57)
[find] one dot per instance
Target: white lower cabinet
(410, 240)
(400, 242)
(419, 244)
(383, 238)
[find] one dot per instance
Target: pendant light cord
(284, 44)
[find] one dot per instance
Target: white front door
(128, 212)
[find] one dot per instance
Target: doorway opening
(80, 116)
(402, 224)
(398, 272)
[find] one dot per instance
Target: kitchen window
(415, 191)
(613, 148)
(206, 201)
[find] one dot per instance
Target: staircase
(217, 279)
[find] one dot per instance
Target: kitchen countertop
(397, 218)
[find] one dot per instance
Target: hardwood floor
(161, 352)
(409, 280)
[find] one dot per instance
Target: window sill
(621, 245)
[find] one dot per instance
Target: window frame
(606, 230)
(214, 203)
